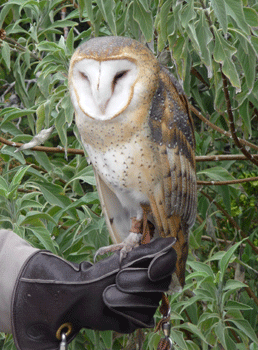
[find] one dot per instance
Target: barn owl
(135, 124)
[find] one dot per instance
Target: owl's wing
(117, 217)
(174, 202)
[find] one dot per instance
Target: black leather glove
(109, 295)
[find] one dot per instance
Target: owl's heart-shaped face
(103, 89)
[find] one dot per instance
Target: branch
(43, 148)
(232, 123)
(220, 240)
(232, 221)
(21, 48)
(198, 76)
(221, 131)
(221, 157)
(251, 294)
(229, 182)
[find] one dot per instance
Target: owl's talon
(107, 249)
(132, 241)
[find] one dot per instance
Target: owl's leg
(141, 232)
(132, 241)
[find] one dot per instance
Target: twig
(220, 240)
(63, 15)
(208, 18)
(81, 152)
(74, 4)
(251, 294)
(232, 123)
(15, 43)
(222, 157)
(232, 221)
(230, 182)
(198, 76)
(11, 85)
(221, 131)
(43, 148)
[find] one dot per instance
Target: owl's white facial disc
(103, 88)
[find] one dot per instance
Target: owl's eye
(119, 76)
(84, 76)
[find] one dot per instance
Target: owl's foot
(132, 241)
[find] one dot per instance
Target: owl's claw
(125, 247)
(132, 241)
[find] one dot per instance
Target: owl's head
(107, 75)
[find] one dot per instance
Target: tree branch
(229, 182)
(221, 131)
(232, 123)
(222, 157)
(21, 48)
(220, 240)
(43, 148)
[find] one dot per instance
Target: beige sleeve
(14, 251)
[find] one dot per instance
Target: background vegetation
(48, 194)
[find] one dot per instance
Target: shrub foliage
(48, 194)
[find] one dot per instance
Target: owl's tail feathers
(172, 226)
(181, 247)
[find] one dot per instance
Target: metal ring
(67, 326)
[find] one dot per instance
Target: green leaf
(216, 173)
(107, 337)
(233, 285)
(87, 175)
(232, 304)
(35, 215)
(61, 127)
(246, 117)
(220, 332)
(44, 237)
(40, 112)
(188, 13)
(235, 10)
(201, 267)
(14, 113)
(6, 54)
(89, 10)
(3, 187)
(251, 17)
(164, 11)
(193, 329)
(225, 193)
(223, 53)
(4, 12)
(144, 19)
(245, 327)
(17, 180)
(53, 194)
(227, 257)
(248, 63)
(204, 38)
(178, 338)
(70, 41)
(107, 9)
(221, 14)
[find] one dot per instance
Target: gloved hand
(109, 295)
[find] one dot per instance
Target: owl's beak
(102, 90)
